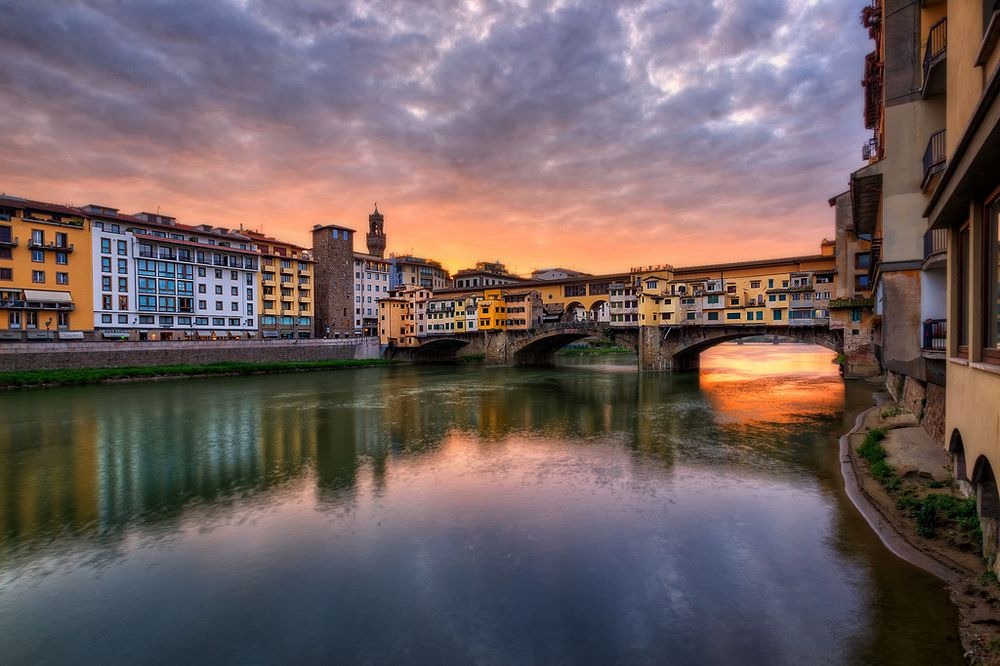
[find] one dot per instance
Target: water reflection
(587, 514)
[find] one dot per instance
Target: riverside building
(964, 206)
(157, 279)
(285, 288)
(45, 271)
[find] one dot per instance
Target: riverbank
(900, 480)
(81, 376)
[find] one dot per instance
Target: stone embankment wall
(924, 399)
(28, 356)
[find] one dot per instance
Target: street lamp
(48, 326)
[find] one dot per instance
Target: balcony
(935, 54)
(934, 335)
(8, 242)
(934, 161)
(935, 248)
(54, 247)
(34, 305)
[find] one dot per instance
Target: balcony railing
(935, 242)
(935, 331)
(934, 158)
(35, 245)
(8, 242)
(934, 55)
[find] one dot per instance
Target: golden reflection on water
(770, 383)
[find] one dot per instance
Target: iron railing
(934, 334)
(934, 157)
(935, 241)
(937, 44)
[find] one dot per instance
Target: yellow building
(392, 320)
(46, 284)
(965, 202)
(492, 311)
(285, 288)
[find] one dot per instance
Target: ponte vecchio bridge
(667, 316)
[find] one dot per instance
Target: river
(582, 514)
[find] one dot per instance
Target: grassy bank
(929, 504)
(80, 376)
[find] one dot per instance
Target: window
(776, 315)
(733, 315)
(106, 245)
(6, 273)
(861, 282)
(123, 267)
(38, 277)
(14, 319)
(31, 319)
(235, 307)
(991, 288)
(122, 248)
(234, 291)
(862, 260)
(218, 305)
(62, 240)
(713, 316)
(105, 319)
(38, 256)
(123, 302)
(62, 278)
(37, 237)
(713, 300)
(106, 302)
(218, 289)
(755, 284)
(855, 315)
(62, 258)
(734, 301)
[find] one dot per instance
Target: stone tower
(376, 234)
(333, 251)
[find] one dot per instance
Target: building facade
(45, 272)
(157, 279)
(965, 205)
(285, 289)
(407, 269)
(333, 273)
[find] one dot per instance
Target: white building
(156, 279)
(371, 283)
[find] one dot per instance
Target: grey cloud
(556, 106)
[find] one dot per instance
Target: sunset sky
(591, 135)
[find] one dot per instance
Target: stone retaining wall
(129, 354)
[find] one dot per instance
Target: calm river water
(583, 514)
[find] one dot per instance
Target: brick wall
(130, 354)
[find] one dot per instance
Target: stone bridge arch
(678, 348)
(431, 350)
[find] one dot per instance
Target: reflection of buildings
(106, 457)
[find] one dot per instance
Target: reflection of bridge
(664, 348)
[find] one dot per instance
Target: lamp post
(48, 326)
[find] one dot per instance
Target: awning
(71, 335)
(10, 335)
(235, 334)
(219, 334)
(38, 335)
(116, 335)
(204, 334)
(47, 296)
(271, 334)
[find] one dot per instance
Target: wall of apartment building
(965, 81)
(116, 274)
(75, 279)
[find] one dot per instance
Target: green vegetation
(79, 376)
(932, 511)
(472, 358)
(598, 349)
(840, 359)
(929, 511)
(894, 410)
(871, 450)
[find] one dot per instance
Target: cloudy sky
(593, 135)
